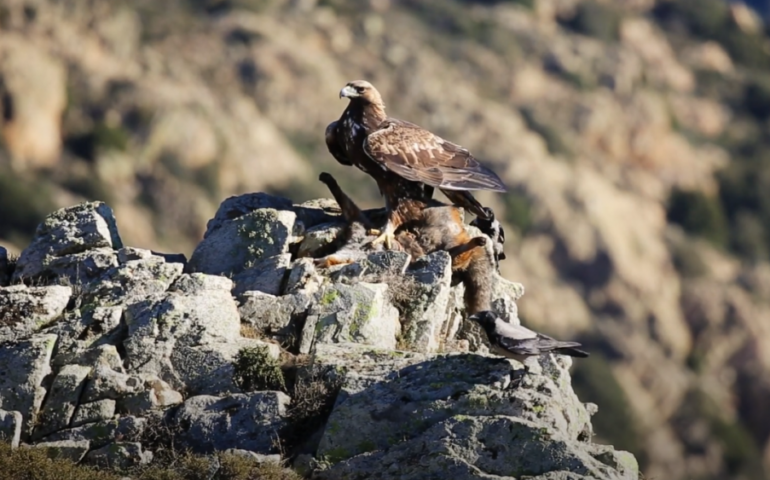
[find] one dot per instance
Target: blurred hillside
(633, 135)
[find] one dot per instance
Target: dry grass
(313, 393)
(34, 464)
(248, 331)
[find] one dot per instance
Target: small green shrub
(255, 369)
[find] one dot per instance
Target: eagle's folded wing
(334, 147)
(418, 155)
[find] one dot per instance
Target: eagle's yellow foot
(373, 231)
(387, 237)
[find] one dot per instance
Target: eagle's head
(361, 90)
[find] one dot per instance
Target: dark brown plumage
(406, 160)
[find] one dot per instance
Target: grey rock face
(276, 317)
(89, 337)
(62, 400)
(303, 277)
(240, 243)
(360, 313)
(249, 422)
(119, 455)
(316, 212)
(25, 367)
(377, 266)
(107, 383)
(65, 449)
(238, 206)
(469, 416)
(24, 310)
(426, 314)
(267, 276)
(189, 336)
(10, 427)
(68, 231)
(102, 433)
(80, 268)
(318, 237)
(132, 281)
(91, 412)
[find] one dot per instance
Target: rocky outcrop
(144, 351)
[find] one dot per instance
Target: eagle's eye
(360, 89)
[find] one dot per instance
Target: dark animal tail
(350, 210)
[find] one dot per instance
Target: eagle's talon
(373, 231)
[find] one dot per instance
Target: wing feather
(332, 144)
(420, 156)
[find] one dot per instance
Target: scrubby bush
(255, 369)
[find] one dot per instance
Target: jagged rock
(107, 383)
(68, 231)
(375, 267)
(72, 450)
(24, 310)
(126, 254)
(360, 313)
(101, 433)
(91, 412)
(318, 237)
(80, 268)
(303, 277)
(266, 276)
(25, 367)
(63, 398)
(238, 244)
(10, 427)
(317, 211)
(131, 282)
(189, 336)
(88, 337)
(277, 317)
(120, 455)
(425, 316)
(238, 206)
(464, 415)
(164, 395)
(246, 421)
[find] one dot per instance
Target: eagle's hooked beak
(348, 91)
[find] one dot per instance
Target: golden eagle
(406, 160)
